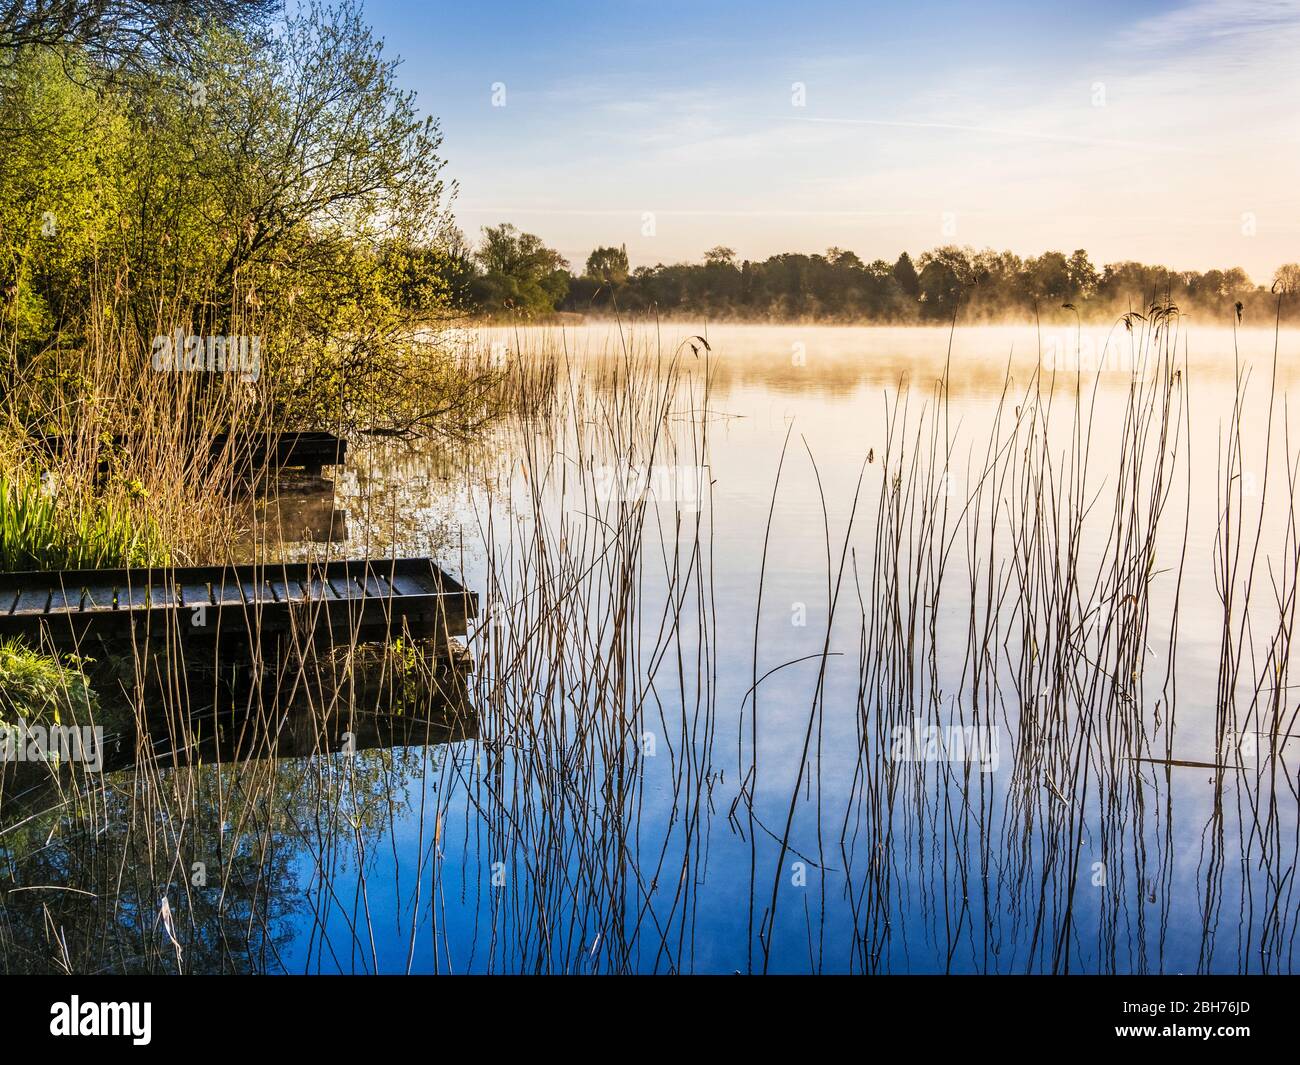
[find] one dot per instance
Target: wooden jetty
(342, 601)
(310, 451)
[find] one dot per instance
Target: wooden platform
(341, 601)
(309, 450)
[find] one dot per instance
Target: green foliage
(41, 689)
(125, 34)
(278, 185)
(520, 273)
(249, 174)
(37, 531)
(608, 264)
(63, 149)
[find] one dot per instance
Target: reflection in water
(961, 661)
(302, 509)
(212, 840)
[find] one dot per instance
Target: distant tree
(1219, 286)
(1082, 274)
(844, 259)
(520, 272)
(608, 264)
(906, 276)
(1287, 278)
(985, 285)
(941, 285)
(1049, 277)
(1136, 285)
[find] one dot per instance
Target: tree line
(511, 272)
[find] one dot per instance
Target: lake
(810, 649)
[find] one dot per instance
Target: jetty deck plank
(32, 601)
(283, 591)
(99, 598)
(362, 599)
(196, 593)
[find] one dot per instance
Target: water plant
(39, 531)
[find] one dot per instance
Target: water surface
(659, 757)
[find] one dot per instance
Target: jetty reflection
(242, 714)
(229, 819)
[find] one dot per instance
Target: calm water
(622, 800)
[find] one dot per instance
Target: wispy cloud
(1000, 132)
(1244, 23)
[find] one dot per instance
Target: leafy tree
(58, 194)
(123, 33)
(293, 194)
(521, 273)
(303, 137)
(843, 259)
(1083, 275)
(906, 276)
(1049, 277)
(608, 264)
(944, 273)
(1287, 278)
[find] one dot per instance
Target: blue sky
(1166, 132)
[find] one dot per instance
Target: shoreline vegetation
(258, 185)
(513, 274)
(242, 178)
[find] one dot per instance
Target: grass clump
(38, 531)
(42, 689)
